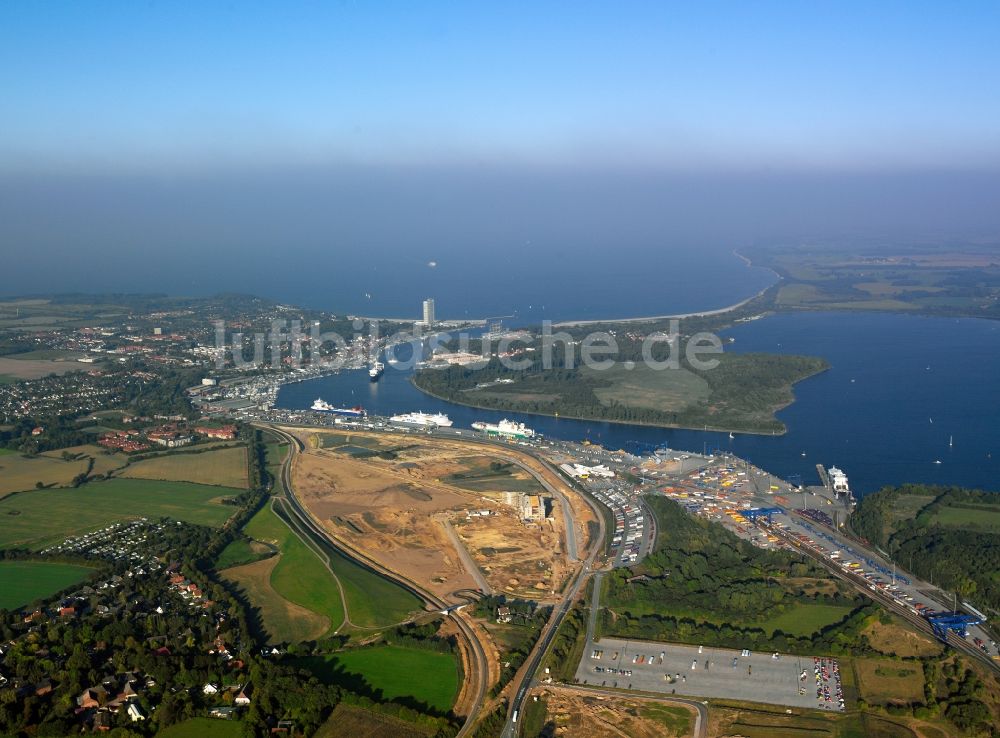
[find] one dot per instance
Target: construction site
(441, 513)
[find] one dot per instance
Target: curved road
(476, 651)
(522, 686)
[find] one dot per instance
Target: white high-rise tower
(429, 311)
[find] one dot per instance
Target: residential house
(92, 697)
(135, 712)
(243, 698)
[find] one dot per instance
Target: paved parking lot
(707, 672)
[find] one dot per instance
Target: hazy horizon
(206, 148)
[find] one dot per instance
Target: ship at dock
(505, 428)
(835, 481)
(425, 420)
(321, 405)
(375, 370)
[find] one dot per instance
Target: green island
(741, 394)
(947, 535)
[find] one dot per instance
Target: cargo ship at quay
(504, 429)
(323, 406)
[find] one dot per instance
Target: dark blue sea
(899, 389)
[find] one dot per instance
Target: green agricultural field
(27, 581)
(274, 454)
(301, 577)
(427, 677)
(372, 601)
(360, 723)
(224, 467)
(40, 517)
(804, 620)
(283, 620)
(298, 577)
(203, 727)
(242, 552)
(981, 517)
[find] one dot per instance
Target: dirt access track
(411, 503)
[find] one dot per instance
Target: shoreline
(702, 429)
(678, 316)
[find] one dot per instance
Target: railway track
(861, 584)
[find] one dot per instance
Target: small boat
(937, 461)
(731, 436)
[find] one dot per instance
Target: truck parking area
(695, 671)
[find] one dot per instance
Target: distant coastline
(679, 316)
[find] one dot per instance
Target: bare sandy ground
(394, 511)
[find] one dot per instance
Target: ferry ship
(435, 420)
(375, 370)
(839, 485)
(505, 427)
(838, 481)
(325, 407)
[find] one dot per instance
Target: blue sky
(190, 86)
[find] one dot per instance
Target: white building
(429, 311)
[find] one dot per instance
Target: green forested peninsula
(741, 394)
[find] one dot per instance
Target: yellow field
(883, 681)
(18, 473)
(103, 461)
(225, 467)
(899, 639)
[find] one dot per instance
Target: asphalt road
(545, 640)
(478, 654)
(467, 562)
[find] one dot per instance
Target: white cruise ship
(435, 420)
(505, 427)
